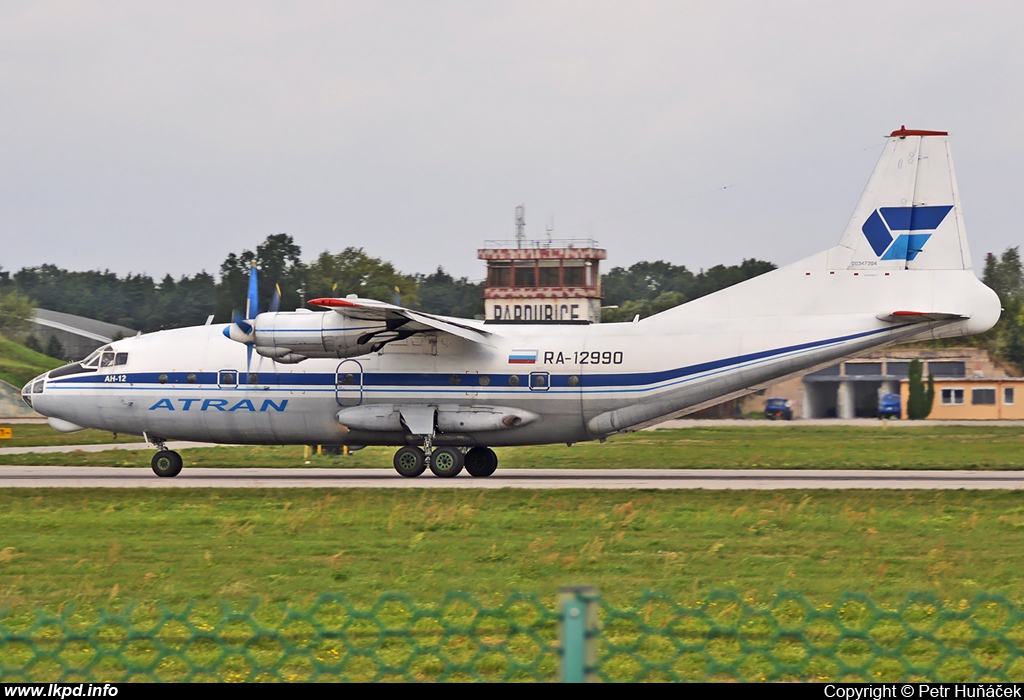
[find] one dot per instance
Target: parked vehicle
(778, 408)
(889, 406)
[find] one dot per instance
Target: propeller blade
(252, 303)
(275, 301)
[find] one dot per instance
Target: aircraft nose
(33, 387)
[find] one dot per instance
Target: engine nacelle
(293, 336)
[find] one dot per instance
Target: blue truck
(889, 406)
(778, 408)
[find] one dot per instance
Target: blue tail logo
(879, 227)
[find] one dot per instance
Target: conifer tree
(921, 398)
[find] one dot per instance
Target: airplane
(445, 391)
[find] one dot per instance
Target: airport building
(968, 386)
(542, 281)
(78, 335)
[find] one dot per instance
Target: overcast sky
(158, 137)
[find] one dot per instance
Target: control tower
(542, 281)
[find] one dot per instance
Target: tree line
(645, 288)
(1005, 275)
(142, 303)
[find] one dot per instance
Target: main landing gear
(165, 462)
(445, 462)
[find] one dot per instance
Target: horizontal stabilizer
(920, 317)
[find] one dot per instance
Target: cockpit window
(93, 360)
(107, 359)
(121, 358)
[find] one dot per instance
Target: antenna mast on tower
(520, 225)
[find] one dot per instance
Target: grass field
(90, 549)
(19, 364)
(97, 547)
(740, 447)
(33, 434)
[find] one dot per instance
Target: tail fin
(909, 216)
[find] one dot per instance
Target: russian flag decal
(522, 357)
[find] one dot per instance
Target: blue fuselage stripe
(388, 381)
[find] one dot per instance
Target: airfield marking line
(758, 479)
(101, 447)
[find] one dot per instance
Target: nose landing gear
(166, 463)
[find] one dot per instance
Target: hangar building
(968, 385)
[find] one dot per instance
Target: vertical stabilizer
(909, 216)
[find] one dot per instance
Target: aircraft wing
(920, 316)
(407, 319)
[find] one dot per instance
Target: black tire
(481, 461)
(446, 462)
(409, 461)
(166, 463)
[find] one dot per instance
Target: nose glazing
(33, 387)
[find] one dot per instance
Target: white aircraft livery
(446, 390)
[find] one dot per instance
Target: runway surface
(761, 479)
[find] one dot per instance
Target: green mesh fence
(725, 637)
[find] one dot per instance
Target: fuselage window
(228, 378)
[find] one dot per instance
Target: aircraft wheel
(481, 461)
(409, 461)
(446, 462)
(166, 463)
